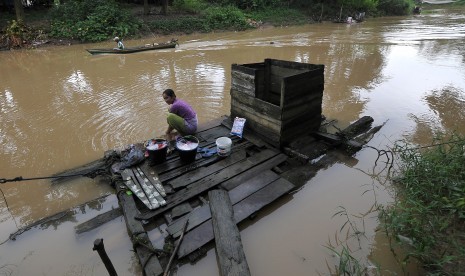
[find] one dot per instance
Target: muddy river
(61, 107)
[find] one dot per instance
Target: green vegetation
(210, 19)
(347, 265)
(429, 211)
(92, 21)
(394, 7)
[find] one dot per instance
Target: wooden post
(229, 251)
(98, 245)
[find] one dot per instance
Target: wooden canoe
(129, 50)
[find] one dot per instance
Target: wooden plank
(283, 72)
(243, 82)
(260, 106)
(241, 178)
(301, 85)
(98, 220)
(309, 109)
(361, 125)
(293, 64)
(209, 182)
(336, 140)
(201, 235)
(275, 89)
(172, 164)
(259, 129)
(150, 191)
(252, 115)
(229, 251)
(201, 214)
(250, 136)
(176, 163)
(210, 135)
(131, 182)
(153, 179)
(201, 163)
(297, 86)
(202, 172)
(149, 262)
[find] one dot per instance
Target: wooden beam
(147, 258)
(229, 251)
(209, 182)
(203, 234)
(202, 214)
(98, 220)
(338, 140)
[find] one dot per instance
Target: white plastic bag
(238, 127)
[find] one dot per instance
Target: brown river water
(61, 107)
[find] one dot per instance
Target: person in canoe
(119, 44)
(181, 116)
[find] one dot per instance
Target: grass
(428, 215)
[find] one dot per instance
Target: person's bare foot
(171, 136)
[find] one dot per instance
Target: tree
(146, 7)
(164, 8)
(19, 10)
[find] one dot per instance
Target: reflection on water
(61, 108)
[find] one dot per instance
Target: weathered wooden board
(229, 251)
(210, 135)
(301, 85)
(210, 181)
(260, 106)
(361, 125)
(185, 168)
(283, 71)
(98, 220)
(202, 172)
(152, 177)
(150, 263)
(252, 124)
(174, 162)
(150, 191)
(249, 136)
(201, 214)
(131, 182)
(243, 82)
(292, 64)
(241, 178)
(201, 235)
(337, 140)
(270, 124)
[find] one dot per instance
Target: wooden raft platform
(247, 174)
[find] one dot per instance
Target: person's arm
(168, 131)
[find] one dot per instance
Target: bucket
(187, 148)
(157, 149)
(223, 146)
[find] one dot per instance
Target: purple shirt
(182, 109)
(185, 111)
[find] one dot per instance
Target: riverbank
(427, 217)
(37, 31)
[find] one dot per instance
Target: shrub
(430, 209)
(395, 7)
(228, 18)
(188, 24)
(92, 21)
(191, 6)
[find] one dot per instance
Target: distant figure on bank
(119, 44)
(181, 116)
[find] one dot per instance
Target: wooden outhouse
(279, 99)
